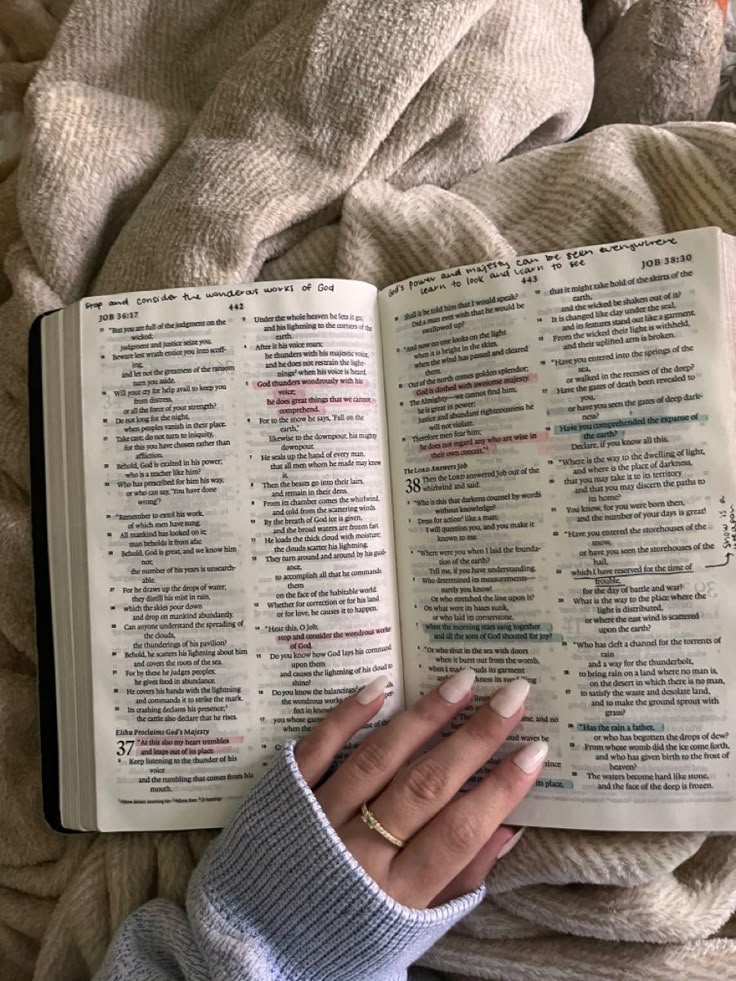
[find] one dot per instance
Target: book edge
(46, 669)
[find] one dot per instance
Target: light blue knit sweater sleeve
(278, 897)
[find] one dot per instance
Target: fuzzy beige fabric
(180, 143)
(658, 63)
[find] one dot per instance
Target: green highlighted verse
(529, 632)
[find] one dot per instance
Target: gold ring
(369, 818)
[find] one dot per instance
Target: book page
(239, 534)
(562, 441)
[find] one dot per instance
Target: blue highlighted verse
(606, 424)
(620, 727)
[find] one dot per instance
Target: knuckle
(370, 759)
(426, 780)
(462, 833)
(482, 728)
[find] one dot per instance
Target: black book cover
(44, 633)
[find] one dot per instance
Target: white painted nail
(508, 700)
(510, 843)
(456, 687)
(372, 690)
(530, 757)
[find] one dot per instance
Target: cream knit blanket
(182, 142)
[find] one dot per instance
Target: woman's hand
(451, 842)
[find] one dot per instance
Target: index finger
(316, 750)
(372, 766)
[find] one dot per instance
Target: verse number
(413, 485)
(124, 747)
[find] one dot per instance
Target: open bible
(248, 499)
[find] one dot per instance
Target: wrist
(280, 869)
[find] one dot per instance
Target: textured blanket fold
(183, 143)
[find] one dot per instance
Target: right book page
(562, 437)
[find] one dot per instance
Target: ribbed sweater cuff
(280, 873)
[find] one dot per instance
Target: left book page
(239, 534)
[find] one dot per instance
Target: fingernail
(530, 757)
(456, 687)
(510, 843)
(508, 700)
(372, 690)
